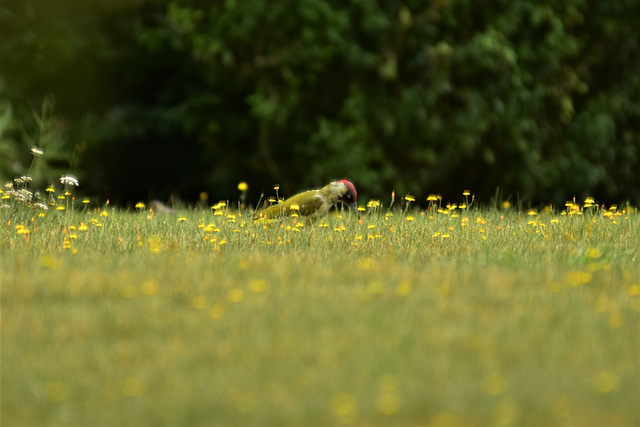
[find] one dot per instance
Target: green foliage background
(537, 98)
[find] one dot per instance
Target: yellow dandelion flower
(532, 213)
(85, 201)
(242, 186)
(149, 287)
(494, 384)
(506, 204)
(276, 187)
(409, 198)
(615, 319)
(199, 302)
(132, 387)
(409, 218)
(578, 277)
(140, 205)
(344, 407)
(216, 312)
(366, 263)
(61, 208)
(23, 230)
(444, 289)
(605, 381)
(388, 404)
(404, 288)
(466, 193)
(49, 189)
(432, 198)
(258, 286)
(235, 295)
(593, 253)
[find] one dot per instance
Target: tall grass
(445, 316)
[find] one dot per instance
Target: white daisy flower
(69, 180)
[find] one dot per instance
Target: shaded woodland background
(141, 99)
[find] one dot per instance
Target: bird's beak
(354, 206)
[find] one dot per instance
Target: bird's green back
(310, 203)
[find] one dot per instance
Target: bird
(158, 207)
(316, 203)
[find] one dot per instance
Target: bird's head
(348, 195)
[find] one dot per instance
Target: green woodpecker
(315, 203)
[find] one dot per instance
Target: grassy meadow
(451, 315)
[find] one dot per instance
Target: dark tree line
(539, 99)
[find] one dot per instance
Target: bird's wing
(308, 203)
(311, 204)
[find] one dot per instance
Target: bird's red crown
(351, 188)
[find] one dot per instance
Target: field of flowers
(447, 315)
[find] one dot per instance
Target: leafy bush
(536, 98)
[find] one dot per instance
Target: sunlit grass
(452, 315)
